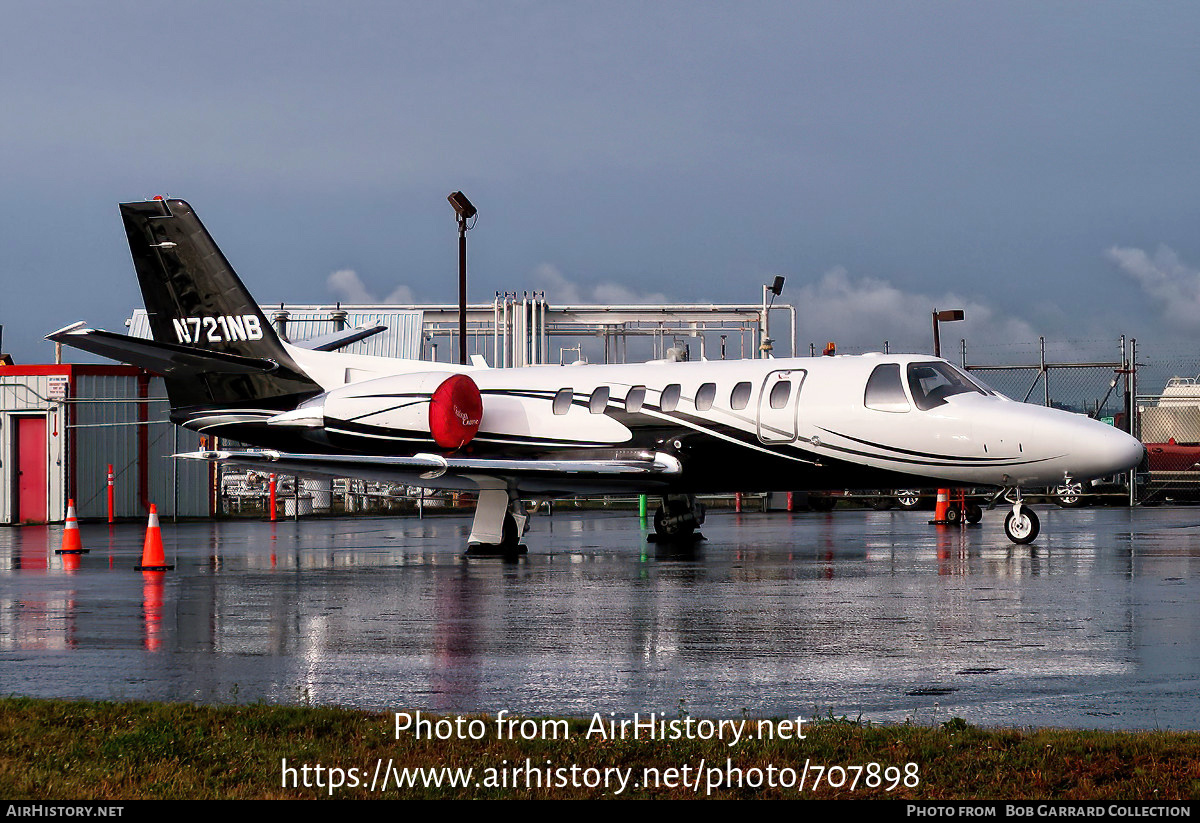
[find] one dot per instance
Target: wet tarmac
(856, 613)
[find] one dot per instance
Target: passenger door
(778, 406)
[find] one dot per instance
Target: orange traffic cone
(153, 559)
(71, 543)
(943, 506)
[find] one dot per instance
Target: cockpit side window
(932, 383)
(884, 391)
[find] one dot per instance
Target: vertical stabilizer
(194, 298)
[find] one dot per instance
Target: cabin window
(635, 399)
(779, 394)
(562, 400)
(705, 396)
(884, 391)
(932, 383)
(670, 398)
(599, 400)
(739, 398)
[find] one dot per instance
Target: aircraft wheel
(1022, 528)
(510, 539)
(973, 513)
(669, 529)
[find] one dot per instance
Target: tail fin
(194, 298)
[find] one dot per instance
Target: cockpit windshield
(931, 383)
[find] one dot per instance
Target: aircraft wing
(464, 473)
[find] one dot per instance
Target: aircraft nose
(1108, 450)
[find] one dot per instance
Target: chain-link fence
(1168, 417)
(1064, 376)
(1096, 378)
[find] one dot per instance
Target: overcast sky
(1035, 163)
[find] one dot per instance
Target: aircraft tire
(669, 532)
(510, 539)
(1023, 529)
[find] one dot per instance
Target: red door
(31, 470)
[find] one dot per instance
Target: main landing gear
(677, 519)
(498, 525)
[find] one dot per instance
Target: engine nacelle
(446, 405)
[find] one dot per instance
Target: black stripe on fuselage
(986, 461)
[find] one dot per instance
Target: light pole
(947, 316)
(465, 211)
(776, 288)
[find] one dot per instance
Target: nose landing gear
(1021, 524)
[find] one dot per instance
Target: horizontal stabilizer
(339, 339)
(168, 359)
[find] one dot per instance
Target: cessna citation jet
(670, 429)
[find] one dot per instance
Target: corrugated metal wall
(182, 483)
(105, 422)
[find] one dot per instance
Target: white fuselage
(826, 415)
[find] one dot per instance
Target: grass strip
(82, 750)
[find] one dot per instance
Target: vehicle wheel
(1070, 495)
(1024, 528)
(821, 504)
(974, 513)
(908, 499)
(953, 515)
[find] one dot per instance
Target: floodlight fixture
(946, 316)
(462, 206)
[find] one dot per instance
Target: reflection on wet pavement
(856, 612)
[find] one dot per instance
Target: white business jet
(670, 429)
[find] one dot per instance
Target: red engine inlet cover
(455, 411)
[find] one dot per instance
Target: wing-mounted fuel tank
(400, 409)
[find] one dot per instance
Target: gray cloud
(349, 288)
(1170, 283)
(863, 312)
(560, 290)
